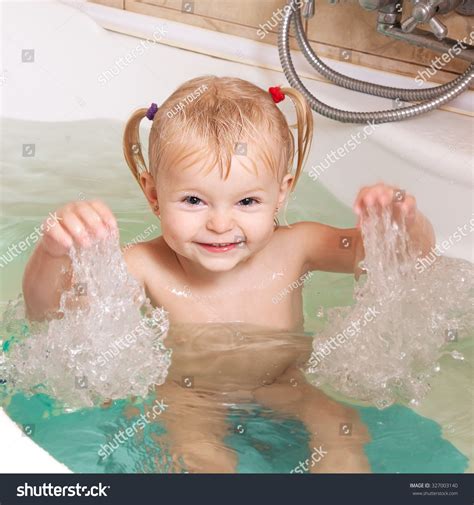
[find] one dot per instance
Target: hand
(77, 223)
(382, 196)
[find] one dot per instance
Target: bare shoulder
(143, 258)
(292, 241)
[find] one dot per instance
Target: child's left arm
(341, 249)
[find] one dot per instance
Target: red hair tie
(277, 94)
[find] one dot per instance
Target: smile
(220, 247)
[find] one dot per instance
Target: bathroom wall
(340, 29)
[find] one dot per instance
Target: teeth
(215, 244)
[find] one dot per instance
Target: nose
(220, 221)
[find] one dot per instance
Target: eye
(192, 200)
(247, 202)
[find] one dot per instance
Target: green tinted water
(83, 160)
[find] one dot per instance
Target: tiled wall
(341, 30)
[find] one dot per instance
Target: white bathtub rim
(222, 45)
(20, 454)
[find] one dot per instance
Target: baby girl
(221, 167)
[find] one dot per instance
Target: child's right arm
(48, 272)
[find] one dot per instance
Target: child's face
(198, 209)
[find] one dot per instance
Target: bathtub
(75, 76)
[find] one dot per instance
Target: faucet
(389, 22)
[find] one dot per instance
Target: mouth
(220, 246)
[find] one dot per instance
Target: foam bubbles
(108, 343)
(385, 347)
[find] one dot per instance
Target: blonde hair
(218, 113)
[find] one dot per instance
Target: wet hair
(222, 116)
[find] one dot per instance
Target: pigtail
(132, 148)
(304, 125)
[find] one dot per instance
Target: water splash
(107, 344)
(385, 347)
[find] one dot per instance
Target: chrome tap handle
(308, 9)
(438, 28)
(424, 12)
(409, 24)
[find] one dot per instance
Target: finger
(105, 213)
(409, 202)
(379, 195)
(405, 210)
(92, 220)
(408, 207)
(357, 207)
(57, 240)
(368, 200)
(76, 228)
(385, 197)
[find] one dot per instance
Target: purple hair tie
(150, 113)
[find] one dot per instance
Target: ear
(147, 182)
(284, 192)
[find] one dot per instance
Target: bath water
(83, 160)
